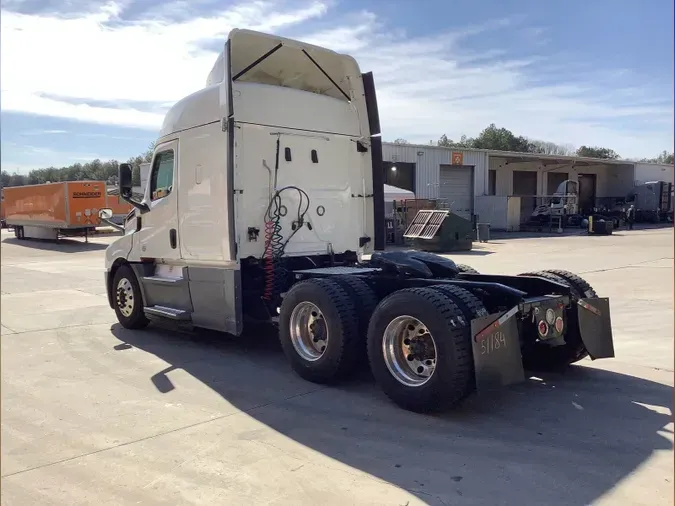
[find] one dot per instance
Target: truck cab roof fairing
(268, 59)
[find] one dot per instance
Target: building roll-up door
(455, 190)
(525, 186)
(554, 179)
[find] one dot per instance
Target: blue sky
(81, 80)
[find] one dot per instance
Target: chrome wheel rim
(409, 351)
(125, 297)
(309, 332)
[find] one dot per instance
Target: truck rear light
(542, 328)
(559, 325)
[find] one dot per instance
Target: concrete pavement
(95, 414)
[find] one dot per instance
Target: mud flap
(595, 327)
(496, 351)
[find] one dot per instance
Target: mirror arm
(142, 207)
(112, 224)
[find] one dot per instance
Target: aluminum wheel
(409, 351)
(308, 330)
(125, 297)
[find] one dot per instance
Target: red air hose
(269, 260)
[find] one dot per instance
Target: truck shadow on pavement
(61, 246)
(562, 439)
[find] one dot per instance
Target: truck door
(158, 236)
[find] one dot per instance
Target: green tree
(93, 170)
(444, 141)
(597, 152)
(464, 142)
(401, 141)
(551, 148)
(501, 139)
(4, 178)
(665, 157)
(17, 179)
(147, 156)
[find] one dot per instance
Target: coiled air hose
(275, 245)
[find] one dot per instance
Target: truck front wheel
(127, 299)
(419, 347)
(318, 330)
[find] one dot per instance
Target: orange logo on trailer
(86, 195)
(457, 158)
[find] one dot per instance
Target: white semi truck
(265, 198)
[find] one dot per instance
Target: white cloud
(44, 132)
(427, 86)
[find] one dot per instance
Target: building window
(161, 180)
(492, 182)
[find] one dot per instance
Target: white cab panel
(264, 104)
(203, 194)
(332, 183)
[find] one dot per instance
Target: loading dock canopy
(392, 193)
(577, 161)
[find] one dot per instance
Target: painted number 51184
(492, 343)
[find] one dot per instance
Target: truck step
(167, 312)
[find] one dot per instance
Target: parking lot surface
(95, 414)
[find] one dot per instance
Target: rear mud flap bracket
(595, 327)
(496, 351)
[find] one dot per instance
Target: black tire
(453, 378)
(340, 316)
(542, 357)
(136, 319)
(365, 300)
(467, 268)
(577, 283)
(472, 307)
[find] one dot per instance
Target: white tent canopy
(392, 193)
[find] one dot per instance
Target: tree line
(502, 139)
(493, 138)
(96, 170)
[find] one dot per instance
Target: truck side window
(161, 180)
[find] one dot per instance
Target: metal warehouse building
(503, 188)
(452, 176)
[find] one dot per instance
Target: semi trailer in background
(51, 210)
(3, 224)
(653, 201)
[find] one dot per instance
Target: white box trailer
(645, 172)
(265, 196)
(145, 174)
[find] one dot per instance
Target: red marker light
(543, 328)
(559, 325)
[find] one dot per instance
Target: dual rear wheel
(418, 340)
